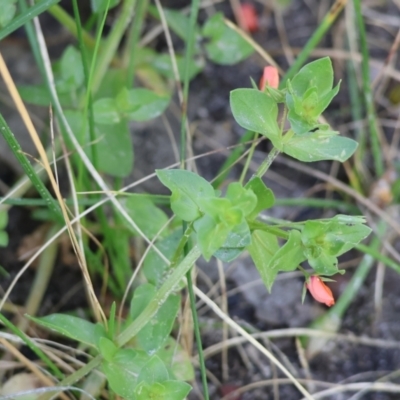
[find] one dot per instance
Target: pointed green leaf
(107, 348)
(140, 104)
(211, 235)
(320, 145)
(256, 111)
(317, 73)
(238, 238)
(262, 248)
(73, 327)
(114, 149)
(176, 357)
(141, 298)
(241, 197)
(153, 371)
(288, 257)
(123, 370)
(324, 264)
(154, 334)
(265, 196)
(147, 216)
(106, 112)
(186, 187)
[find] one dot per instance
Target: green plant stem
(188, 57)
(197, 334)
(32, 345)
(263, 168)
(195, 4)
(368, 97)
(27, 15)
(133, 40)
(89, 107)
(110, 45)
(29, 170)
(231, 160)
(268, 228)
(150, 310)
(318, 34)
(248, 158)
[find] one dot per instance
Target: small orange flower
(320, 291)
(270, 77)
(248, 16)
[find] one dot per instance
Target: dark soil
(341, 361)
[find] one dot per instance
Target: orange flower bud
(270, 77)
(320, 291)
(248, 16)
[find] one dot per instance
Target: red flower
(248, 16)
(270, 77)
(320, 291)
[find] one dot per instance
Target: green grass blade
(316, 37)
(26, 16)
(368, 97)
(28, 169)
(32, 346)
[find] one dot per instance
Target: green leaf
(99, 6)
(163, 64)
(79, 127)
(154, 334)
(8, 9)
(3, 219)
(211, 235)
(309, 93)
(173, 354)
(71, 67)
(37, 94)
(154, 267)
(187, 188)
(147, 216)
(256, 111)
(265, 196)
(177, 22)
(168, 390)
(324, 264)
(262, 248)
(318, 74)
(242, 198)
(335, 236)
(225, 46)
(320, 145)
(114, 149)
(141, 298)
(288, 257)
(73, 327)
(107, 348)
(4, 239)
(221, 210)
(123, 370)
(153, 371)
(156, 331)
(106, 112)
(238, 238)
(140, 104)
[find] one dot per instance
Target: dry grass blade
(38, 144)
(251, 340)
(30, 365)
